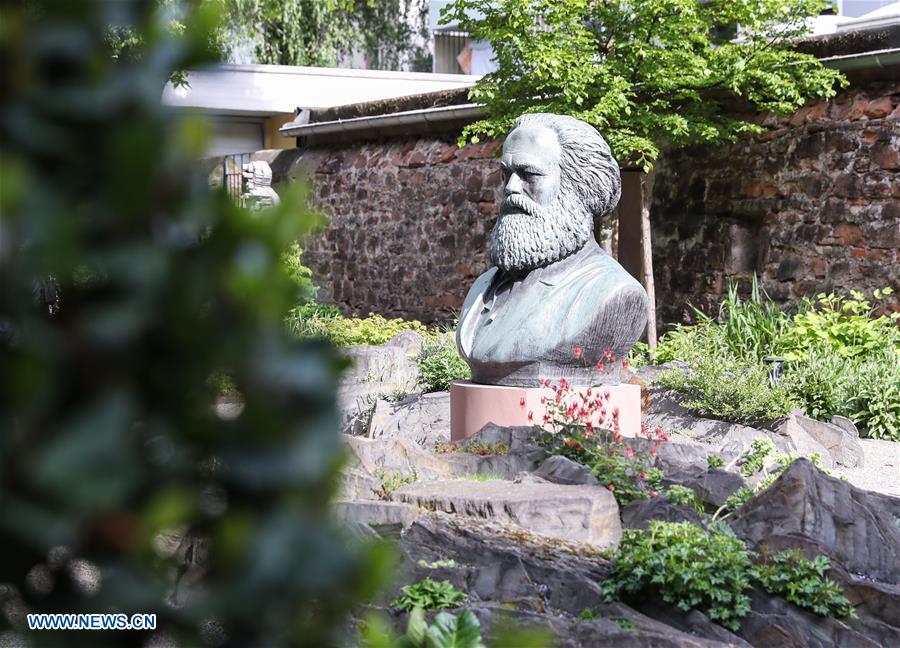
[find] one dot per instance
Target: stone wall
(410, 222)
(811, 204)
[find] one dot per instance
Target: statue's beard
(529, 236)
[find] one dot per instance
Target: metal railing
(232, 174)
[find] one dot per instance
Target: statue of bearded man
(555, 304)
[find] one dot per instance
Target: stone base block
(575, 513)
(472, 406)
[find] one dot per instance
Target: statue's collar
(551, 275)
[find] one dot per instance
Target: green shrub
(429, 594)
(755, 457)
(446, 631)
(802, 582)
(865, 390)
(391, 480)
(688, 342)
(299, 274)
(684, 496)
(874, 396)
(845, 325)
(107, 438)
(325, 322)
(640, 355)
(711, 570)
(714, 461)
(440, 364)
(731, 389)
(686, 566)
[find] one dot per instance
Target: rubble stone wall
(811, 204)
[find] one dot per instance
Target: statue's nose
(513, 185)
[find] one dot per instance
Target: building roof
(272, 89)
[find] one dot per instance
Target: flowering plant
(583, 425)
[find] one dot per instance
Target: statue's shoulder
(604, 275)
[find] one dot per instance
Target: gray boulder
(844, 522)
(775, 622)
(636, 514)
(721, 437)
(424, 419)
(562, 470)
(505, 563)
(713, 485)
(616, 625)
(376, 371)
(839, 440)
(376, 514)
(377, 456)
(581, 513)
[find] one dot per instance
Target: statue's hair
(588, 167)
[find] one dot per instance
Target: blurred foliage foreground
(126, 284)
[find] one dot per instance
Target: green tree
(108, 435)
(647, 73)
(322, 32)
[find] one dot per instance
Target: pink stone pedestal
(473, 406)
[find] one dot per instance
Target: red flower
(652, 452)
(642, 475)
(610, 486)
(652, 493)
(577, 351)
(522, 402)
(600, 366)
(608, 353)
(628, 451)
(618, 437)
(625, 363)
(530, 416)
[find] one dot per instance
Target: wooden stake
(647, 180)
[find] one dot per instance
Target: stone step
(578, 513)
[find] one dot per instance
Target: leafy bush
(714, 461)
(802, 582)
(865, 390)
(446, 631)
(710, 570)
(391, 480)
(845, 325)
(684, 496)
(686, 566)
(688, 342)
(874, 396)
(755, 457)
(440, 363)
(299, 274)
(154, 284)
(326, 322)
(731, 389)
(640, 355)
(841, 359)
(429, 594)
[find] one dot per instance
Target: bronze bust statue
(555, 304)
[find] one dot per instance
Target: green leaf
(451, 631)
